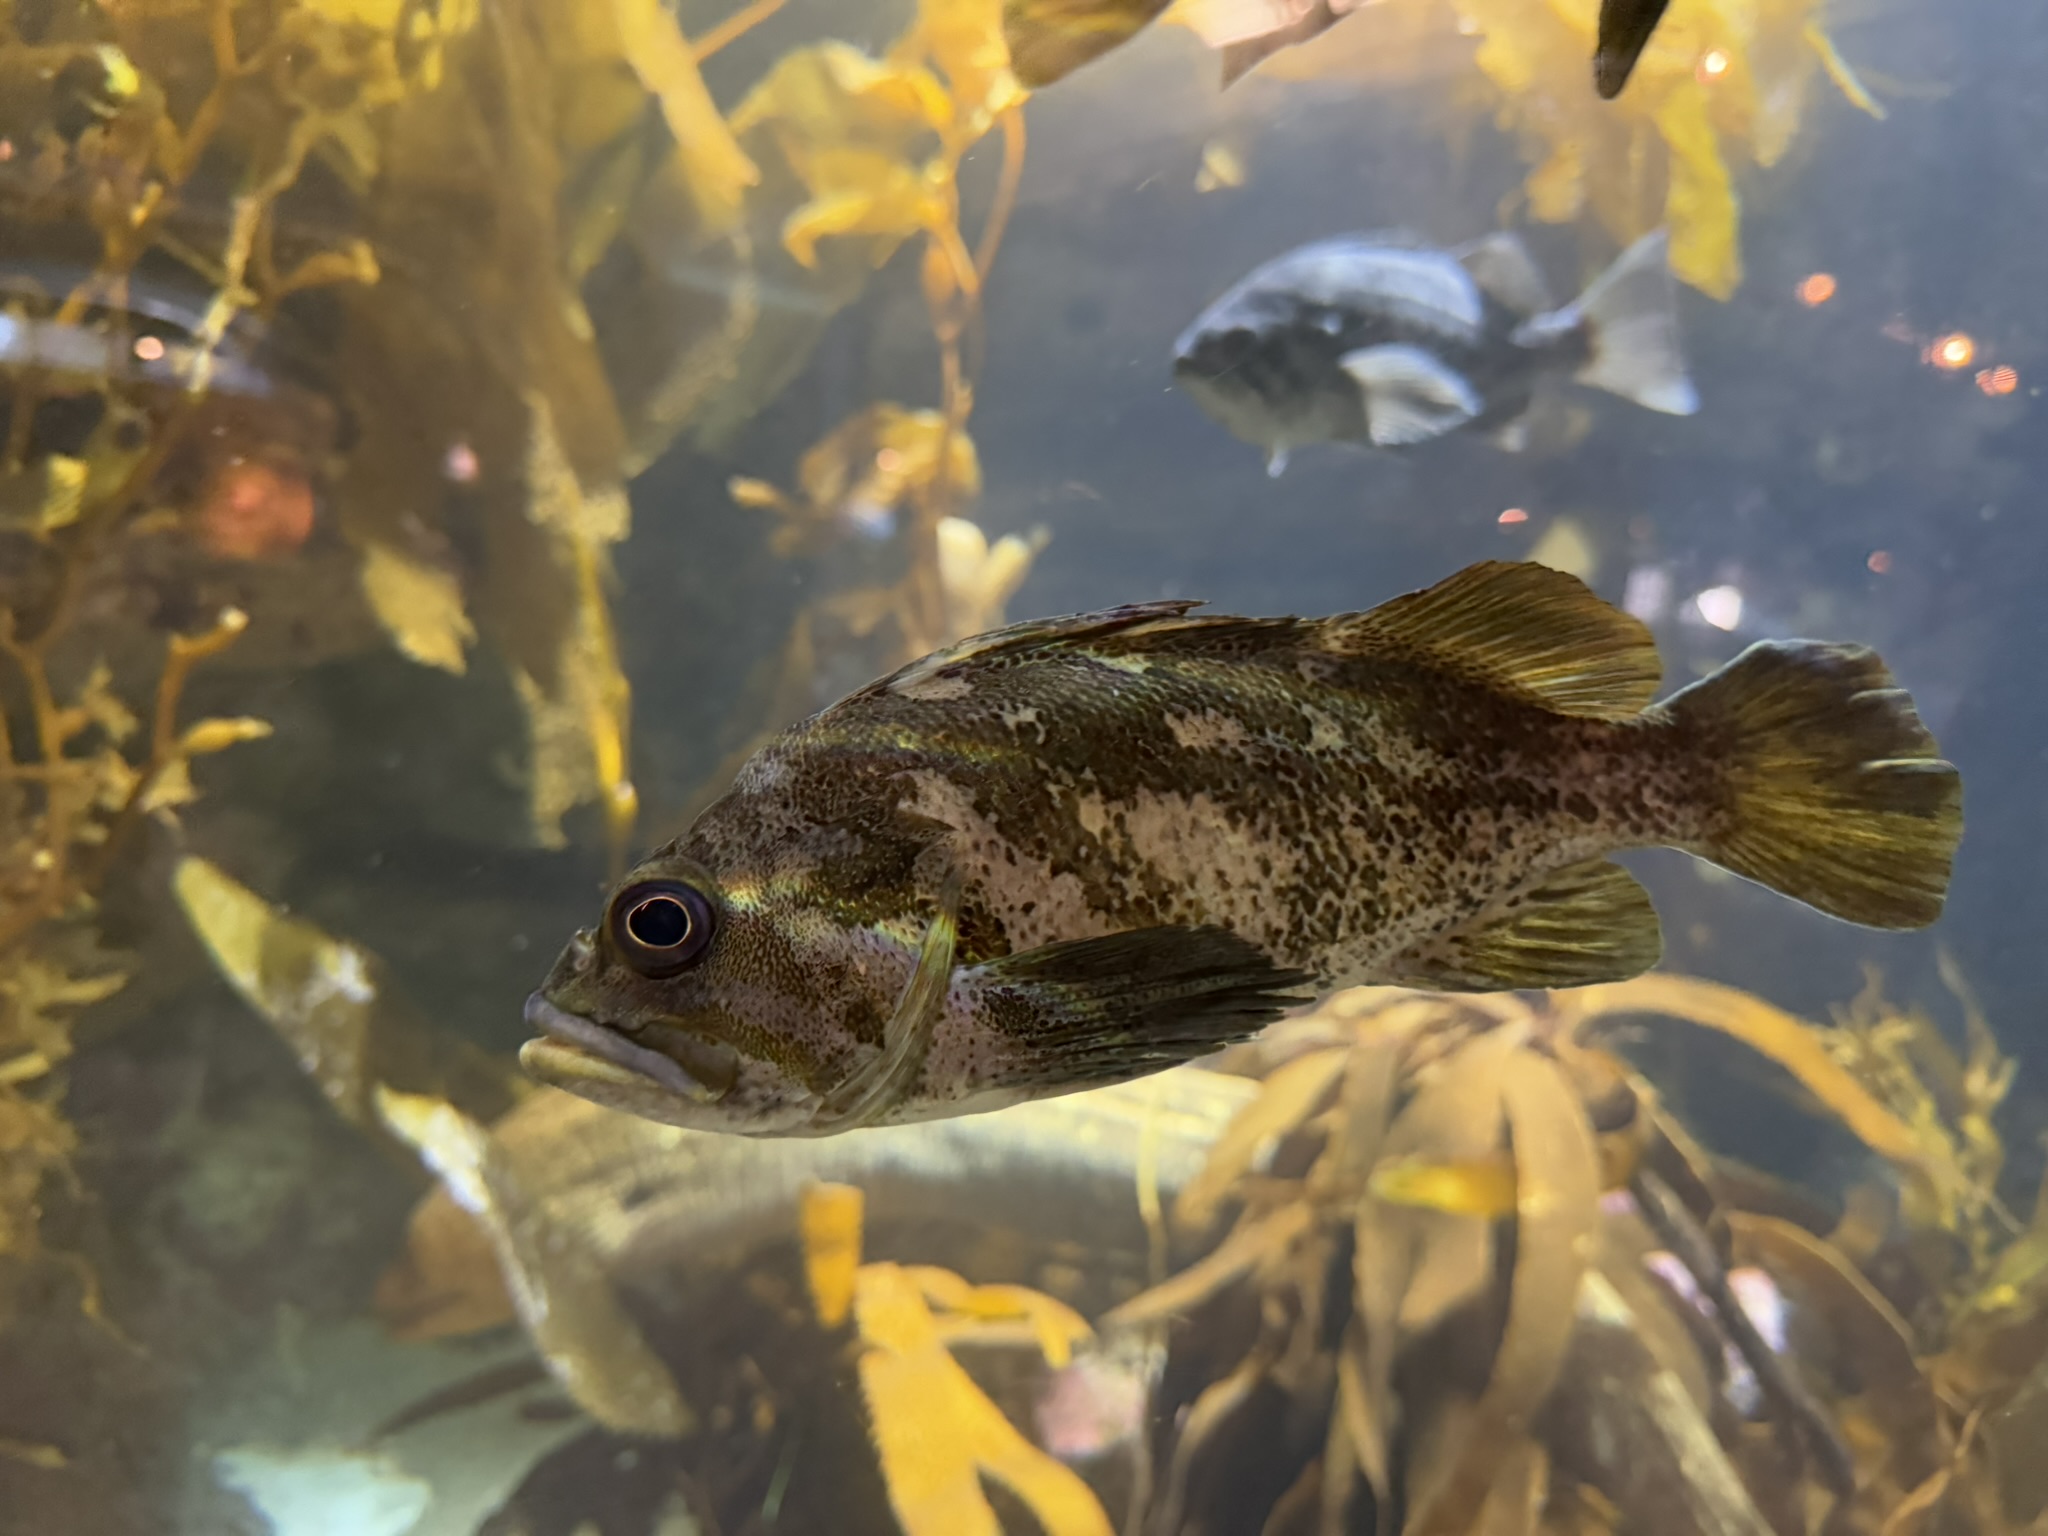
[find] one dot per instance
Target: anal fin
(1592, 922)
(1108, 1009)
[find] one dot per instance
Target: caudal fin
(1630, 318)
(1837, 794)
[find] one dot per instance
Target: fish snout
(1208, 352)
(544, 1018)
(692, 1068)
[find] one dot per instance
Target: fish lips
(573, 1050)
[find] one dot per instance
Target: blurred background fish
(1381, 339)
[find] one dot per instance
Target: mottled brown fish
(1077, 851)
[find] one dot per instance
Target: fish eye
(661, 927)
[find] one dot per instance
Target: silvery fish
(1382, 340)
(1074, 852)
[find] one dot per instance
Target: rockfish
(1076, 851)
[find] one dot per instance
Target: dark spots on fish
(1253, 774)
(862, 1019)
(1297, 770)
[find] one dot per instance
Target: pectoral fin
(883, 1082)
(1410, 396)
(1590, 923)
(1105, 1010)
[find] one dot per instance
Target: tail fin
(1837, 796)
(1630, 319)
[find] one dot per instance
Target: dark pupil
(659, 922)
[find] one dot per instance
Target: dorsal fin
(1031, 634)
(1520, 626)
(1500, 264)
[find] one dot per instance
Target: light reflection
(1720, 606)
(1816, 290)
(1952, 352)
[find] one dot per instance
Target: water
(484, 316)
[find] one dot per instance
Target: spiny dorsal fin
(1587, 924)
(1519, 626)
(1030, 635)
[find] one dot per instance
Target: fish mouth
(572, 1048)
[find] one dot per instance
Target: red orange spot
(460, 464)
(1879, 562)
(251, 510)
(1998, 381)
(1816, 289)
(149, 348)
(1952, 352)
(1512, 516)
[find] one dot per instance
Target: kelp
(1719, 85)
(1720, 79)
(75, 788)
(872, 148)
(561, 1294)
(333, 1004)
(1476, 1214)
(430, 223)
(1722, 84)
(513, 250)
(385, 1070)
(936, 1433)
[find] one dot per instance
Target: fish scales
(1082, 850)
(1327, 806)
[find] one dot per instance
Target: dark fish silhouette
(1625, 29)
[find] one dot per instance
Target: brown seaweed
(1514, 1365)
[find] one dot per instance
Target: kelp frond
(1557, 1314)
(936, 1433)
